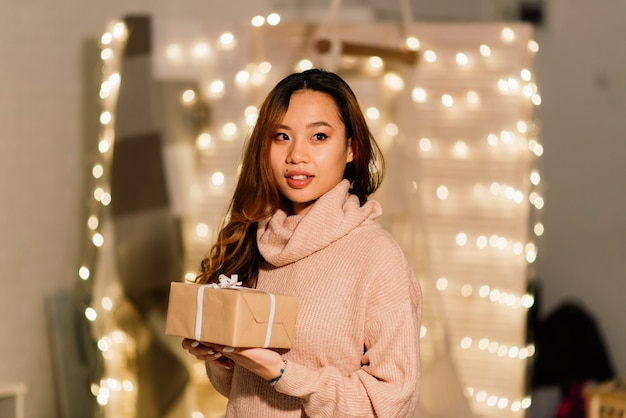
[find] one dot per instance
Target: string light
(200, 51)
(375, 63)
(84, 273)
(273, 19)
(112, 43)
(227, 40)
(430, 56)
(257, 21)
(304, 65)
(394, 82)
(419, 95)
(204, 140)
(516, 140)
(413, 43)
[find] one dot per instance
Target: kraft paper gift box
(232, 316)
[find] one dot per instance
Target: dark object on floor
(569, 348)
(570, 352)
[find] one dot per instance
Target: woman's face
(309, 151)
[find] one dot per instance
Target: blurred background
(50, 75)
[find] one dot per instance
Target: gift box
(607, 399)
(231, 316)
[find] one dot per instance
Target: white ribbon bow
(226, 282)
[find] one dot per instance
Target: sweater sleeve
(387, 383)
(220, 378)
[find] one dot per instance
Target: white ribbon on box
(232, 283)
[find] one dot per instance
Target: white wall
(582, 72)
(582, 76)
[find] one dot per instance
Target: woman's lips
(298, 180)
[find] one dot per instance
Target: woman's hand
(260, 361)
(206, 353)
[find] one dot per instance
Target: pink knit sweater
(356, 347)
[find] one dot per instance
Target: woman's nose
(297, 152)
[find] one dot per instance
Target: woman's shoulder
(373, 235)
(385, 274)
(373, 248)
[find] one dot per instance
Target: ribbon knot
(226, 282)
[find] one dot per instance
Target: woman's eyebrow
(320, 123)
(309, 125)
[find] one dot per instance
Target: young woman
(300, 223)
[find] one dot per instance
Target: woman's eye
(320, 136)
(281, 137)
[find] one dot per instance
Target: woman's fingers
(189, 343)
(209, 352)
(261, 361)
(199, 349)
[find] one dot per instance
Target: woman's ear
(350, 153)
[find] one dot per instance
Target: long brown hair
(256, 195)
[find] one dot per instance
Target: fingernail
(228, 349)
(209, 351)
(218, 355)
(227, 366)
(194, 344)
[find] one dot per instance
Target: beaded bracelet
(277, 378)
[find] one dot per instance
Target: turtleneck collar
(284, 239)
